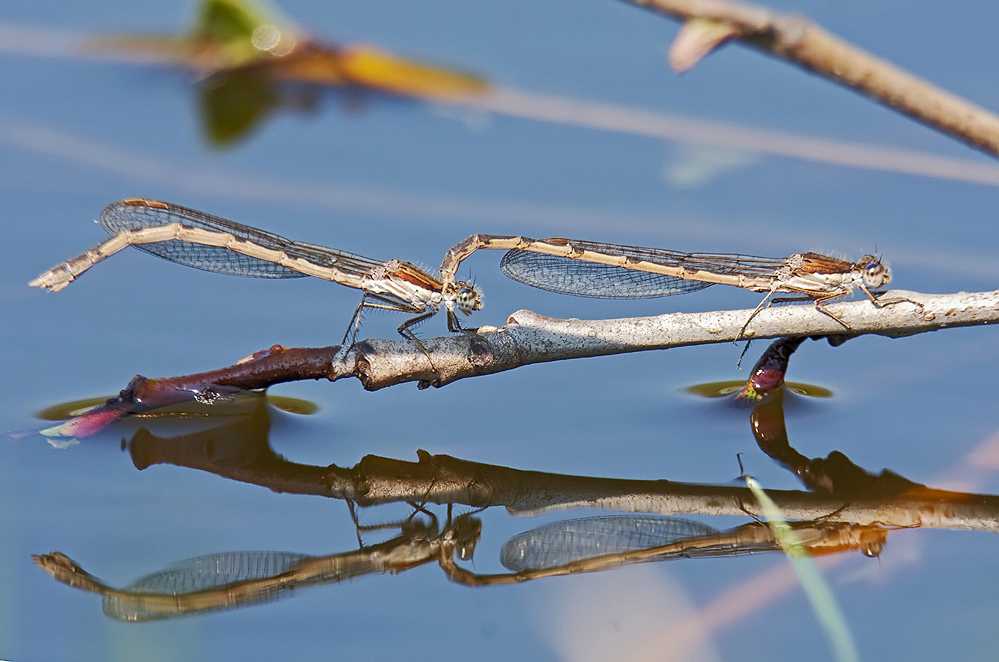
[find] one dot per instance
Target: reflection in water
(733, 387)
(569, 541)
(765, 391)
(232, 106)
(235, 579)
(595, 544)
(93, 415)
(842, 516)
(219, 582)
(238, 404)
(834, 474)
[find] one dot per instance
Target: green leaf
(824, 603)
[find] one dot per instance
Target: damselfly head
(467, 297)
(874, 273)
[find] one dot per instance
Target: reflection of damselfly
(592, 269)
(220, 582)
(598, 543)
(195, 239)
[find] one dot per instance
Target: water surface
(395, 178)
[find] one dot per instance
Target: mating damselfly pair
(581, 268)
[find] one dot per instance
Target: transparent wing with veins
(580, 277)
(564, 275)
(119, 216)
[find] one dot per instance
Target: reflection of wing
(567, 541)
(216, 582)
(214, 570)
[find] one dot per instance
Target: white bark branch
(531, 338)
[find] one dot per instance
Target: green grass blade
(823, 601)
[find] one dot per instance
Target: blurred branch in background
(244, 54)
(709, 23)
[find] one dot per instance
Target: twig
(530, 338)
(804, 43)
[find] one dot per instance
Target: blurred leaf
(247, 49)
(244, 29)
(227, 34)
(374, 68)
(232, 106)
(226, 21)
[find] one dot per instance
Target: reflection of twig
(246, 456)
(810, 47)
(444, 479)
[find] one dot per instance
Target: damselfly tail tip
(47, 282)
(51, 281)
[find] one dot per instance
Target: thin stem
(807, 45)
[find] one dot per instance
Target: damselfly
(594, 269)
(202, 241)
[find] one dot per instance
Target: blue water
(403, 179)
